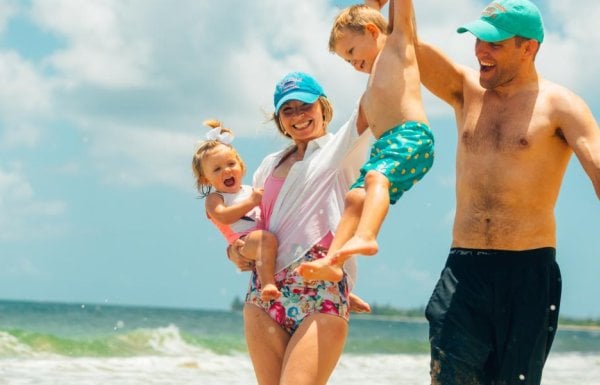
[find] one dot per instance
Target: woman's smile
(303, 125)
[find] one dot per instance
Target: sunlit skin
(507, 114)
(360, 49)
(516, 135)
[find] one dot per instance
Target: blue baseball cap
(296, 86)
(504, 19)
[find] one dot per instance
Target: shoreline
(573, 327)
(568, 323)
(421, 320)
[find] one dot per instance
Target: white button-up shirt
(311, 199)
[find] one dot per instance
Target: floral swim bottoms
(300, 298)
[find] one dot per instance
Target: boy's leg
(324, 269)
(358, 229)
(262, 247)
(375, 208)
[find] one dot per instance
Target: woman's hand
(235, 256)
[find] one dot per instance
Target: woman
(299, 337)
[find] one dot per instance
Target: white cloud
(570, 48)
(144, 155)
(142, 70)
(18, 133)
(139, 77)
(7, 10)
(100, 50)
(24, 100)
(22, 214)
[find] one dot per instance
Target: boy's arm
(227, 215)
(402, 19)
(439, 74)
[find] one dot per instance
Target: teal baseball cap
(504, 19)
(296, 86)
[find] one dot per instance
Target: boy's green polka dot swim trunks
(404, 154)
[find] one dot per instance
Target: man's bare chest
(494, 137)
(500, 128)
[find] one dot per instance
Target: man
(494, 311)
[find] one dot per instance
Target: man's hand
(376, 4)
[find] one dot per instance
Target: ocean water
(85, 344)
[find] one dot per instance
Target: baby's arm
(227, 215)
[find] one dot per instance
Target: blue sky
(101, 106)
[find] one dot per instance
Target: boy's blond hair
(356, 18)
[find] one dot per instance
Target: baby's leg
(326, 269)
(262, 247)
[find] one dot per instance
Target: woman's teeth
(301, 125)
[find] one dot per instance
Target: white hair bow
(215, 134)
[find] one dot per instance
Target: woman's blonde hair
(356, 18)
(326, 108)
(204, 148)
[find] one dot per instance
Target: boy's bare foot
(320, 270)
(354, 246)
(269, 292)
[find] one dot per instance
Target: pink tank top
(271, 191)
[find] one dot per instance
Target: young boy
(403, 152)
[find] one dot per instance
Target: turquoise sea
(54, 343)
